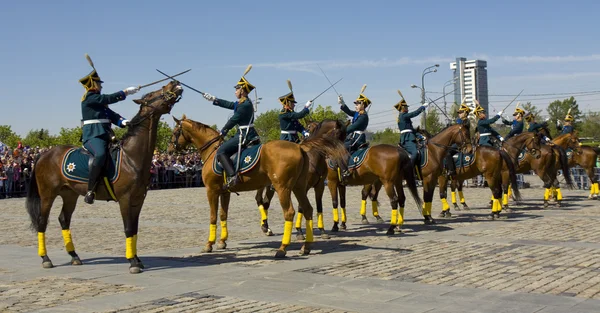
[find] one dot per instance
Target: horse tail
(512, 172)
(34, 202)
(564, 165)
(326, 146)
(408, 172)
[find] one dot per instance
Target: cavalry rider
(517, 125)
(355, 133)
(535, 126)
(568, 127)
(463, 113)
(484, 126)
(408, 140)
(96, 120)
(288, 119)
(243, 115)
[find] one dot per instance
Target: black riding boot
(450, 166)
(227, 165)
(416, 167)
(95, 172)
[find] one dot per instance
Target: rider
(463, 113)
(96, 120)
(408, 140)
(356, 131)
(243, 116)
(484, 126)
(288, 119)
(517, 125)
(568, 127)
(535, 127)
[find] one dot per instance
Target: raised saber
(328, 80)
(192, 88)
(162, 80)
(315, 98)
(513, 100)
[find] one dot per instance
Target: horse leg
(131, 206)
(461, 195)
(319, 190)
(505, 190)
(398, 215)
(496, 188)
(443, 187)
(69, 203)
(391, 193)
(263, 208)
(300, 193)
(428, 189)
(38, 207)
(333, 189)
(376, 187)
(285, 200)
(342, 190)
(213, 201)
(222, 244)
(363, 203)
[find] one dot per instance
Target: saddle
(249, 157)
(76, 164)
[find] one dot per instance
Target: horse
(584, 156)
(317, 173)
(129, 189)
(282, 164)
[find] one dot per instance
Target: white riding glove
(500, 112)
(557, 123)
(131, 90)
(209, 97)
(308, 104)
(124, 123)
(341, 100)
(426, 104)
(501, 139)
(305, 134)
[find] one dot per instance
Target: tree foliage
(386, 136)
(589, 126)
(557, 110)
(530, 108)
(8, 136)
(432, 121)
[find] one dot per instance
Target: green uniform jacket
(485, 126)
(534, 127)
(95, 107)
(243, 115)
(355, 135)
(405, 123)
(288, 121)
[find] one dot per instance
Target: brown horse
(584, 156)
(284, 165)
(137, 146)
(317, 173)
(512, 146)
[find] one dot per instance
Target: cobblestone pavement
(533, 260)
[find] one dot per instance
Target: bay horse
(512, 146)
(584, 156)
(283, 164)
(137, 147)
(317, 174)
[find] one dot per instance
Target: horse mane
(199, 126)
(428, 135)
(338, 124)
(133, 129)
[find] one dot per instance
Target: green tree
(590, 123)
(530, 108)
(163, 135)
(557, 110)
(321, 113)
(454, 111)
(39, 137)
(8, 136)
(69, 136)
(432, 122)
(267, 125)
(386, 136)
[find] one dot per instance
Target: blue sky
(541, 47)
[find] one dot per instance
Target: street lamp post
(431, 69)
(444, 93)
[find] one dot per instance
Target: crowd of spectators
(167, 171)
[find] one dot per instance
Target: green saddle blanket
(76, 165)
(248, 160)
(356, 159)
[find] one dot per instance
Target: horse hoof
(304, 251)
(390, 231)
(491, 216)
(465, 207)
(397, 229)
(546, 204)
(324, 235)
(364, 220)
(335, 228)
(379, 219)
(207, 249)
(442, 214)
(135, 270)
(343, 226)
(456, 207)
(267, 231)
(300, 237)
(47, 264)
(221, 245)
(280, 254)
(76, 261)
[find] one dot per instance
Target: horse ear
(176, 120)
(138, 101)
(183, 117)
(347, 123)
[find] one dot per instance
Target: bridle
(533, 151)
(179, 133)
(165, 95)
(464, 141)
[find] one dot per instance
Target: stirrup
(231, 181)
(89, 197)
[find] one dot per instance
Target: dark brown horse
(512, 146)
(284, 165)
(137, 146)
(584, 156)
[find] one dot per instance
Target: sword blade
(192, 88)
(162, 80)
(315, 98)
(328, 79)
(513, 100)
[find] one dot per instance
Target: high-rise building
(470, 82)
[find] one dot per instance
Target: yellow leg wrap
(375, 208)
(344, 215)
(509, 190)
(41, 244)
(134, 245)
(336, 216)
(394, 217)
(505, 199)
(299, 220)
(427, 210)
(546, 194)
(400, 216)
(461, 196)
(558, 194)
(224, 232)
(453, 193)
(492, 198)
(363, 207)
(129, 248)
(445, 206)
(309, 231)
(597, 189)
(496, 204)
(592, 189)
(68, 240)
(212, 235)
(263, 214)
(287, 233)
(320, 220)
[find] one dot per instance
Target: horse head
(458, 134)
(334, 128)
(179, 141)
(187, 132)
(160, 101)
